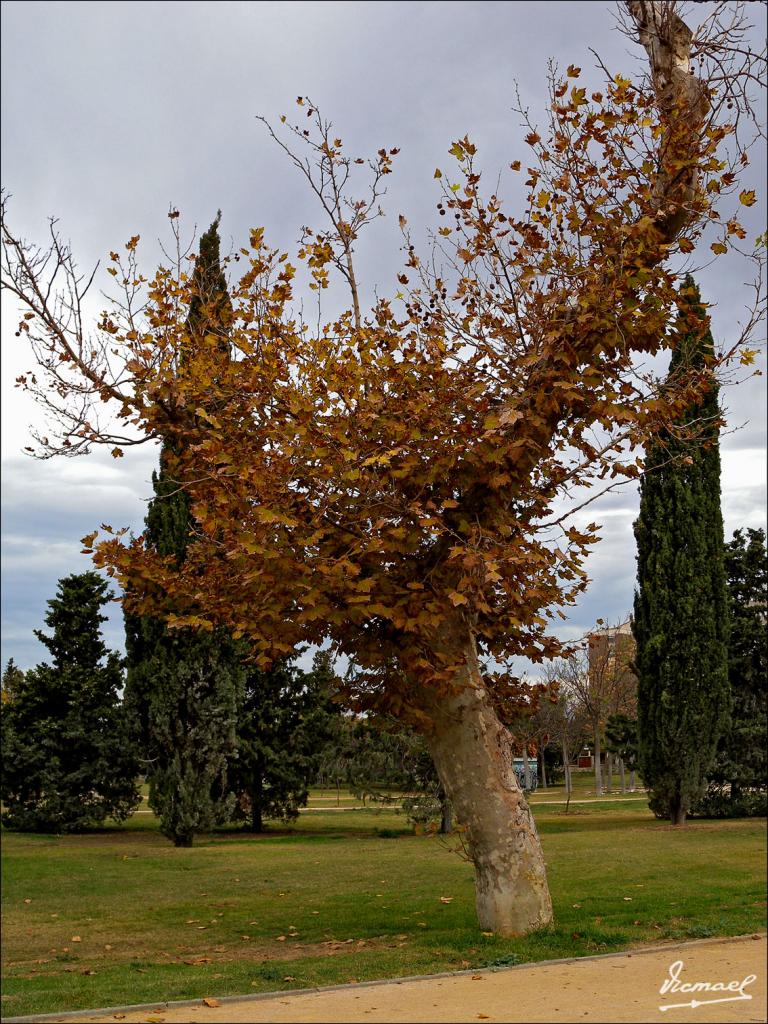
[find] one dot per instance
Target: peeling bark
(473, 755)
(683, 100)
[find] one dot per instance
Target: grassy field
(346, 894)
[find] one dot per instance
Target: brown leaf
(211, 1002)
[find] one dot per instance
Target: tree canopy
(387, 480)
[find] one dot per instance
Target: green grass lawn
(345, 895)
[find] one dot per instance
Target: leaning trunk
(473, 754)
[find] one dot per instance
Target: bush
(719, 802)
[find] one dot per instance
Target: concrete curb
(159, 1006)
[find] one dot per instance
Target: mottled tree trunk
(622, 776)
(609, 772)
(473, 755)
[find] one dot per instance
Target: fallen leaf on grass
(281, 938)
(627, 899)
(446, 899)
(211, 1002)
(27, 901)
(75, 938)
(488, 934)
(289, 977)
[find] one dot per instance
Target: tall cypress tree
(183, 686)
(681, 602)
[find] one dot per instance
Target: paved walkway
(621, 988)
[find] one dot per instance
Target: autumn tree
(599, 678)
(11, 683)
(386, 480)
(68, 762)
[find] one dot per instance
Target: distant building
(611, 649)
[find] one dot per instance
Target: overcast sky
(111, 112)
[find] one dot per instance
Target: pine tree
(68, 763)
(282, 724)
(739, 777)
(681, 606)
(183, 686)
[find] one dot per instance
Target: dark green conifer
(68, 762)
(738, 779)
(283, 722)
(681, 604)
(183, 686)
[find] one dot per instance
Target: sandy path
(616, 988)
